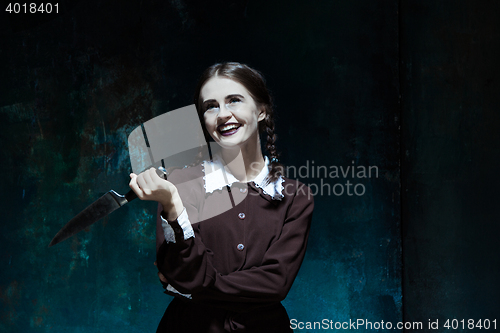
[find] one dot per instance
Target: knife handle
(130, 195)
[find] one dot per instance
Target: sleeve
(184, 227)
(187, 264)
(166, 234)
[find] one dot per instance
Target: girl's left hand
(161, 276)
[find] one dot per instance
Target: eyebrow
(227, 97)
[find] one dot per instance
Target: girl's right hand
(149, 186)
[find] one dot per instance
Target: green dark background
(408, 86)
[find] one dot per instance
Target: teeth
(228, 127)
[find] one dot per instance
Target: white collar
(217, 176)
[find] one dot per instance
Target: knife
(147, 148)
(100, 208)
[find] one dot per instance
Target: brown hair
(255, 83)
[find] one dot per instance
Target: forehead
(219, 87)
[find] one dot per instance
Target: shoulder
(293, 188)
(298, 202)
(297, 197)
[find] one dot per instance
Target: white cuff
(184, 223)
(168, 231)
(173, 290)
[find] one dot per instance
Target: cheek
(209, 124)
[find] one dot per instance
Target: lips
(228, 128)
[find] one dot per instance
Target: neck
(244, 162)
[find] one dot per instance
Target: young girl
(232, 231)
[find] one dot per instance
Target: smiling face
(230, 113)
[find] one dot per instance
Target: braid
(276, 167)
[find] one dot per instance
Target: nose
(224, 112)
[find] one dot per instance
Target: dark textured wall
(73, 87)
(450, 142)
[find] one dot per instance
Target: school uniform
(232, 255)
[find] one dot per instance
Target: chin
(224, 143)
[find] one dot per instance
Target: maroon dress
(230, 272)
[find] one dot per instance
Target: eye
(234, 100)
(210, 107)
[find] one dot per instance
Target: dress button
(241, 216)
(243, 190)
(240, 247)
(177, 230)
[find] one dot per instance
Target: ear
(262, 114)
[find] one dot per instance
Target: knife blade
(100, 208)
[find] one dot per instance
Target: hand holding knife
(147, 147)
(146, 186)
